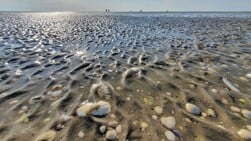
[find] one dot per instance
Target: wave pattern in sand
(76, 76)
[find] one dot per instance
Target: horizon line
(132, 11)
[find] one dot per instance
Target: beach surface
(125, 76)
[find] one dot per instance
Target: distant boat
(140, 11)
(107, 10)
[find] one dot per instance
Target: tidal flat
(125, 76)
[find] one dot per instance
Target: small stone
(81, 134)
(168, 93)
(85, 109)
(100, 108)
(243, 101)
(25, 108)
(113, 116)
(168, 122)
(245, 134)
(188, 120)
(47, 136)
(119, 128)
(211, 113)
(246, 113)
(18, 72)
(170, 136)
(144, 125)
(65, 118)
(192, 86)
(248, 75)
(224, 101)
(102, 129)
(154, 117)
(235, 109)
(158, 110)
(118, 88)
(47, 120)
(56, 93)
(191, 108)
(204, 114)
(113, 124)
(14, 102)
(36, 99)
(111, 135)
(222, 127)
(59, 126)
(214, 90)
(57, 87)
(103, 109)
(243, 78)
(128, 99)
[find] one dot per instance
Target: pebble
(113, 124)
(144, 125)
(211, 112)
(14, 102)
(248, 75)
(245, 134)
(47, 136)
(104, 108)
(18, 72)
(243, 101)
(65, 118)
(102, 129)
(100, 108)
(168, 122)
(111, 135)
(214, 90)
(81, 134)
(235, 109)
(224, 101)
(25, 108)
(113, 116)
(57, 87)
(158, 110)
(204, 114)
(243, 79)
(118, 128)
(85, 109)
(154, 117)
(188, 120)
(36, 99)
(170, 136)
(246, 113)
(118, 88)
(56, 93)
(191, 108)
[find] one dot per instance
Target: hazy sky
(125, 5)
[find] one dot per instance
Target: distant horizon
(125, 5)
(153, 11)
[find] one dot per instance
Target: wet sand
(125, 77)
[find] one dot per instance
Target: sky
(125, 5)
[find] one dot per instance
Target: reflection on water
(119, 76)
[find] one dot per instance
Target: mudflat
(125, 76)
